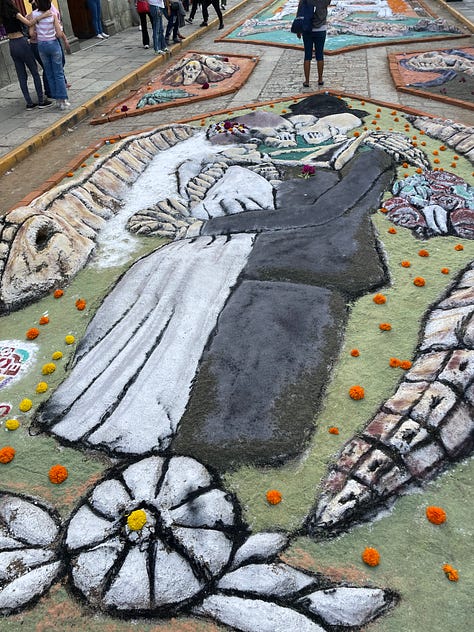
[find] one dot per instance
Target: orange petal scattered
(451, 573)
(394, 362)
(405, 264)
(445, 270)
(371, 556)
(392, 230)
(81, 304)
(385, 326)
(273, 497)
(379, 299)
(32, 333)
(405, 365)
(459, 247)
(355, 353)
(44, 320)
(356, 392)
(58, 474)
(58, 293)
(333, 430)
(419, 281)
(7, 454)
(436, 515)
(423, 253)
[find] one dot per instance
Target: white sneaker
(105, 36)
(99, 36)
(146, 46)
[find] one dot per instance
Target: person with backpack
(314, 14)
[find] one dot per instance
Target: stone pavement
(104, 69)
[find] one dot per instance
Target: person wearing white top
(48, 31)
(157, 8)
(96, 15)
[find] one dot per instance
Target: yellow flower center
(136, 520)
(12, 424)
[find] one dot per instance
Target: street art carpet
(195, 76)
(445, 74)
(236, 378)
(351, 25)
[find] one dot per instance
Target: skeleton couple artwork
(210, 352)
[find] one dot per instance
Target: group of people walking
(43, 43)
(174, 11)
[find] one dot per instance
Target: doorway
(80, 19)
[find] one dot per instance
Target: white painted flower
(153, 537)
(29, 562)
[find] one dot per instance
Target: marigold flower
(394, 362)
(405, 264)
(12, 424)
(371, 556)
(69, 174)
(81, 304)
(273, 497)
(356, 134)
(436, 515)
(7, 454)
(32, 333)
(444, 270)
(419, 170)
(383, 210)
(355, 353)
(451, 573)
(379, 299)
(57, 355)
(48, 368)
(435, 152)
(69, 339)
(419, 281)
(405, 165)
(456, 157)
(356, 392)
(96, 155)
(405, 365)
(442, 148)
(333, 430)
(392, 230)
(58, 474)
(436, 161)
(44, 320)
(385, 326)
(58, 293)
(423, 253)
(136, 520)
(25, 405)
(459, 247)
(41, 387)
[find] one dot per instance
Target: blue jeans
(24, 58)
(156, 14)
(314, 39)
(52, 58)
(94, 8)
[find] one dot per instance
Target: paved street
(105, 69)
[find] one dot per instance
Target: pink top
(45, 31)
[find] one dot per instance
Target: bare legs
(307, 69)
(320, 65)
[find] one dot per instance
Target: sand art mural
(444, 75)
(221, 376)
(351, 25)
(195, 76)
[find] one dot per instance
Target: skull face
(191, 71)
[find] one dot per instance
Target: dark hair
(43, 5)
(7, 9)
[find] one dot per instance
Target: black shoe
(31, 106)
(203, 24)
(176, 41)
(221, 26)
(46, 104)
(189, 20)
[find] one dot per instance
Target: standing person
(205, 12)
(315, 38)
(21, 52)
(96, 14)
(194, 6)
(143, 10)
(49, 32)
(157, 8)
(175, 20)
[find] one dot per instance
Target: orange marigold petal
(451, 573)
(405, 365)
(58, 293)
(385, 326)
(423, 253)
(371, 556)
(273, 496)
(333, 430)
(7, 454)
(394, 362)
(356, 392)
(419, 281)
(436, 515)
(32, 333)
(355, 353)
(58, 474)
(392, 230)
(459, 247)
(405, 264)
(445, 270)
(379, 299)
